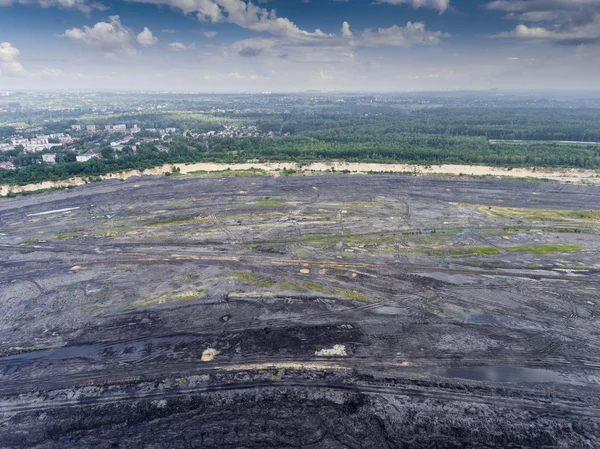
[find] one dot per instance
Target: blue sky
(290, 45)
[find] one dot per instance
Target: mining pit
(375, 311)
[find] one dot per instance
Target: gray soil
(320, 312)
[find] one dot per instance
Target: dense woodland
(352, 132)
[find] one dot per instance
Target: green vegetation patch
(68, 235)
(30, 240)
(251, 172)
(351, 294)
(291, 286)
(359, 204)
(272, 203)
(266, 283)
(545, 249)
(542, 214)
(244, 277)
(314, 287)
(102, 292)
(465, 252)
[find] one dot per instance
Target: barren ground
(326, 311)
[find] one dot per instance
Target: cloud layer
(85, 6)
(440, 5)
(9, 64)
(564, 22)
(111, 37)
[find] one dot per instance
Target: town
(88, 140)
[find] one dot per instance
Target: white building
(76, 127)
(49, 159)
(120, 128)
(90, 128)
(19, 141)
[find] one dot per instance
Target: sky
(299, 45)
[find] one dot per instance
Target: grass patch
(465, 252)
(272, 203)
(68, 235)
(545, 249)
(356, 239)
(32, 240)
(291, 286)
(251, 172)
(266, 283)
(351, 294)
(102, 292)
(314, 287)
(244, 277)
(359, 204)
(541, 214)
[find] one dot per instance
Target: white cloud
(566, 22)
(84, 6)
(146, 38)
(179, 46)
(395, 36)
(209, 34)
(587, 34)
(9, 65)
(111, 38)
(51, 73)
(440, 5)
(235, 76)
(245, 15)
(346, 32)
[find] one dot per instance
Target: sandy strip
(575, 176)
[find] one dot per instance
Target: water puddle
(127, 352)
(505, 374)
(458, 279)
(481, 318)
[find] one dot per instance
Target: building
(38, 140)
(90, 128)
(49, 159)
(108, 128)
(76, 127)
(95, 153)
(135, 129)
(7, 165)
(6, 147)
(120, 128)
(19, 141)
(66, 139)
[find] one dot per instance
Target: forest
(515, 136)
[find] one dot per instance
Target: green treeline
(426, 137)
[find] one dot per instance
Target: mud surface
(325, 312)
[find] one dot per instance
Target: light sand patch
(572, 175)
(304, 271)
(208, 355)
(285, 365)
(336, 351)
